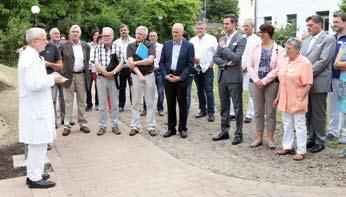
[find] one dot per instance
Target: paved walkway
(88, 165)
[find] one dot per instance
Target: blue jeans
(160, 89)
(204, 83)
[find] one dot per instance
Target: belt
(174, 72)
(80, 72)
(100, 74)
(144, 74)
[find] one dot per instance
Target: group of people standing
(296, 80)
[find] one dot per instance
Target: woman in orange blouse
(296, 79)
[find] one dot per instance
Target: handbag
(114, 61)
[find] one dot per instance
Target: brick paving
(122, 166)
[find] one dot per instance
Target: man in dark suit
(319, 48)
(228, 58)
(177, 59)
(75, 57)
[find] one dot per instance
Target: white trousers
(250, 112)
(336, 117)
(37, 154)
(294, 122)
(137, 90)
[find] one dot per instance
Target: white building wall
(246, 10)
(279, 9)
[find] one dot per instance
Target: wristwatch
(114, 73)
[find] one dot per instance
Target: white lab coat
(36, 112)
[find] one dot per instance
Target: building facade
(281, 12)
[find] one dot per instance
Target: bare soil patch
(6, 163)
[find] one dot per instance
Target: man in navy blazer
(177, 59)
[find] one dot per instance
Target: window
(291, 18)
(268, 19)
(325, 17)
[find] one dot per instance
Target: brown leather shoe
(152, 132)
(116, 131)
(161, 113)
(298, 157)
(66, 132)
(101, 131)
(286, 152)
(85, 129)
(134, 132)
(143, 113)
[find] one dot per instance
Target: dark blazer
(185, 61)
(233, 52)
(321, 57)
(67, 55)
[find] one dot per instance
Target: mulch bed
(6, 163)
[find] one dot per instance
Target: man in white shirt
(251, 41)
(205, 47)
(125, 74)
(36, 112)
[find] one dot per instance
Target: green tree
(282, 34)
(342, 6)
(16, 17)
(216, 9)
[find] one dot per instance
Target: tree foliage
(282, 34)
(342, 5)
(16, 17)
(216, 9)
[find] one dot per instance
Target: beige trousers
(78, 86)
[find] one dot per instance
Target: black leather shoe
(40, 184)
(121, 109)
(169, 133)
(62, 122)
(211, 118)
(247, 120)
(183, 134)
(88, 108)
(221, 136)
(201, 114)
(317, 148)
(310, 144)
(45, 176)
(237, 140)
(231, 118)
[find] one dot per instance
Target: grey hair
(295, 42)
(33, 33)
(142, 28)
(250, 21)
(179, 25)
(75, 27)
(200, 23)
(53, 30)
(108, 29)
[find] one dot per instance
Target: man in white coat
(36, 112)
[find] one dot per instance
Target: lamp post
(160, 19)
(35, 10)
